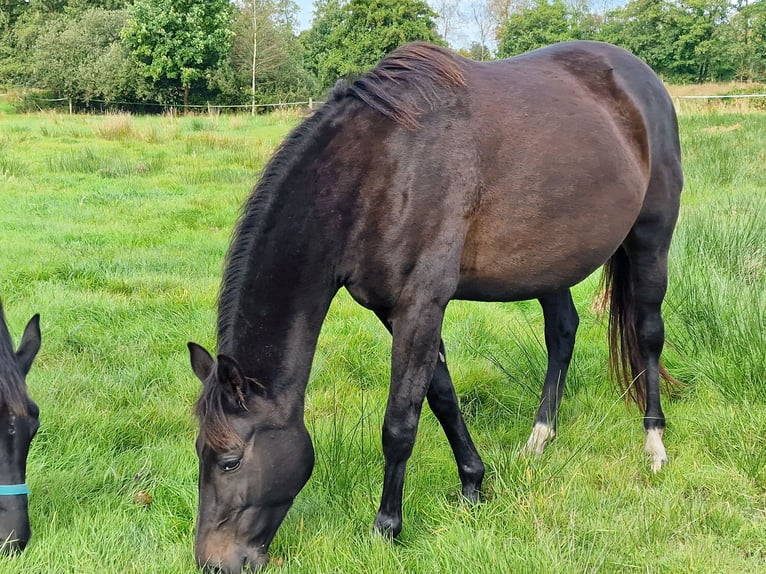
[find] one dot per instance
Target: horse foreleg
(415, 350)
(444, 404)
(561, 322)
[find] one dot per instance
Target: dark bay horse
(18, 424)
(434, 178)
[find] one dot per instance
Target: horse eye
(12, 430)
(230, 465)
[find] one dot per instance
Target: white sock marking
(541, 435)
(655, 449)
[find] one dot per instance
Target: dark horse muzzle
(14, 518)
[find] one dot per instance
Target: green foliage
(755, 103)
(16, 45)
(82, 58)
(202, 51)
(177, 43)
(352, 37)
(690, 40)
(477, 51)
(539, 24)
(746, 41)
(317, 45)
(279, 73)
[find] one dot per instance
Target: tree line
(249, 52)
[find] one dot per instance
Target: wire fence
(723, 96)
(310, 103)
(73, 103)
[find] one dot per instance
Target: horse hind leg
(649, 286)
(645, 278)
(561, 322)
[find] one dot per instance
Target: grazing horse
(18, 424)
(433, 178)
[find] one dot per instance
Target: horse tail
(625, 364)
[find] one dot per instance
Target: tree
(177, 43)
(448, 19)
(486, 24)
(682, 40)
(317, 44)
(476, 51)
(543, 22)
(644, 27)
(81, 58)
(698, 41)
(746, 38)
(357, 34)
(266, 56)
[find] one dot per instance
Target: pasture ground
(114, 229)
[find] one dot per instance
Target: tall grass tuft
(117, 126)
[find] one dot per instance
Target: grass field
(114, 229)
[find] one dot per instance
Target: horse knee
(399, 436)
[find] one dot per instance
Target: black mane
(248, 227)
(408, 81)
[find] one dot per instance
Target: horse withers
(433, 178)
(18, 424)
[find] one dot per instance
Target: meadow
(114, 229)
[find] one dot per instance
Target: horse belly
(525, 245)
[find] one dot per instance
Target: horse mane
(13, 390)
(407, 82)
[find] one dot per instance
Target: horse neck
(272, 309)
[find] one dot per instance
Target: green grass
(114, 229)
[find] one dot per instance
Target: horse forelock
(13, 389)
(410, 80)
(214, 423)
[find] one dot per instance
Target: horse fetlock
(655, 448)
(387, 525)
(541, 435)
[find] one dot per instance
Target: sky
(305, 13)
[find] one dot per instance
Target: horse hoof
(472, 493)
(388, 527)
(541, 435)
(655, 449)
(656, 463)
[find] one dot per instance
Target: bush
(750, 89)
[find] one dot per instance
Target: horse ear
(201, 362)
(229, 373)
(29, 345)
